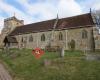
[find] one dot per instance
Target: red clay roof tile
(64, 23)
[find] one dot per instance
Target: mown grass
(24, 66)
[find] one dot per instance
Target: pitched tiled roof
(76, 21)
(64, 23)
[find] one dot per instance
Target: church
(79, 32)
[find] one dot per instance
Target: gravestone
(61, 52)
(92, 57)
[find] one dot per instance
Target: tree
(92, 41)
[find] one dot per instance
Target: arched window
(84, 34)
(42, 37)
(22, 40)
(60, 36)
(30, 38)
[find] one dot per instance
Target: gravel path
(4, 75)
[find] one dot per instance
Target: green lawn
(23, 66)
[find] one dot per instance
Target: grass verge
(24, 66)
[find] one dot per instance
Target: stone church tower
(9, 25)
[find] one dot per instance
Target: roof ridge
(75, 21)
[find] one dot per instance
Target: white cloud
(10, 10)
(87, 4)
(68, 8)
(42, 9)
(48, 8)
(1, 22)
(96, 5)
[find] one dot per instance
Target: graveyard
(22, 65)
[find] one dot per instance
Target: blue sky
(39, 10)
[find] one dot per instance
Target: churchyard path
(4, 74)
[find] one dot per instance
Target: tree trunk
(92, 41)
